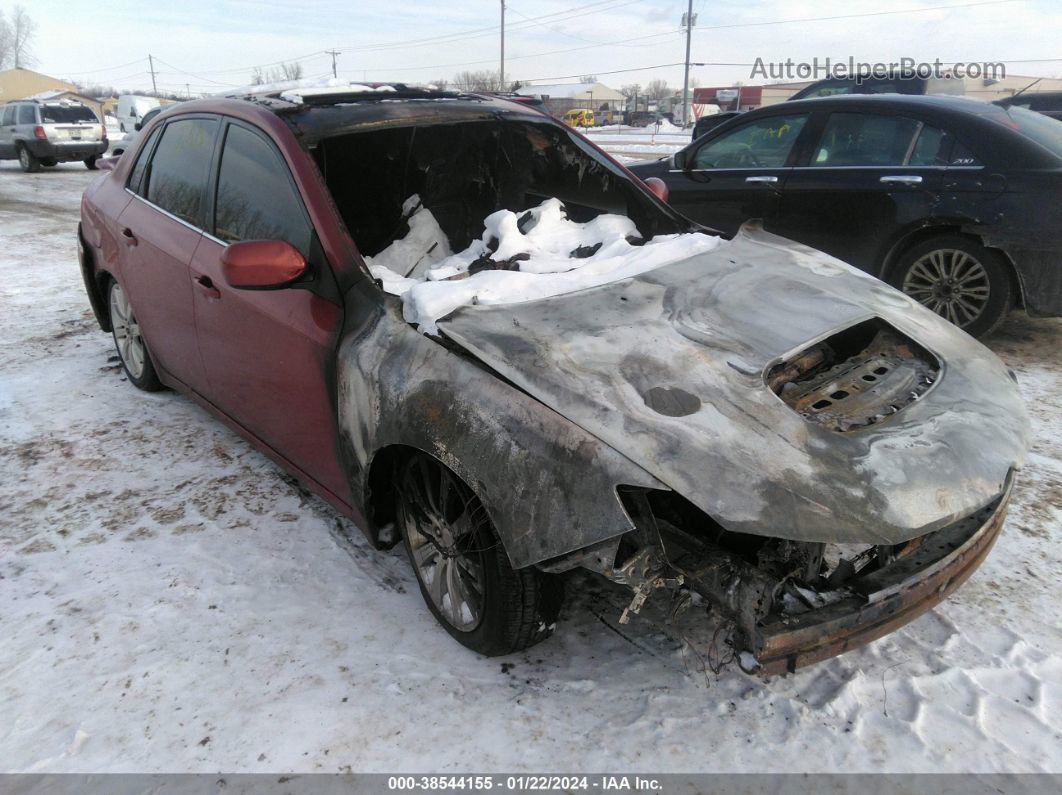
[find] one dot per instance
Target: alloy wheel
(441, 521)
(127, 332)
(951, 282)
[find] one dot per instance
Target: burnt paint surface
(548, 485)
(712, 326)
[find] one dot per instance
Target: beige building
(21, 83)
(562, 97)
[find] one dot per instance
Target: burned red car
(475, 334)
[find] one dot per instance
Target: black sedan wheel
(960, 280)
(463, 571)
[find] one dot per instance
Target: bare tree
(588, 79)
(440, 83)
(277, 74)
(657, 90)
(23, 29)
(486, 80)
(5, 42)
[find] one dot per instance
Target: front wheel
(959, 279)
(29, 162)
(463, 570)
(129, 342)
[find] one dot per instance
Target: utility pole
(688, 19)
(502, 70)
(151, 65)
(333, 53)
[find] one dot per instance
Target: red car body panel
(261, 360)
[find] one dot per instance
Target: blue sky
(213, 45)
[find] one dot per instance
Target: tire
(48, 162)
(451, 541)
(128, 342)
(90, 162)
(29, 162)
(959, 279)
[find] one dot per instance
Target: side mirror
(657, 187)
(678, 160)
(262, 264)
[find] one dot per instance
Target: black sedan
(953, 200)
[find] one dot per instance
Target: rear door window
(931, 147)
(26, 114)
(864, 139)
(256, 198)
(136, 176)
(765, 143)
(180, 167)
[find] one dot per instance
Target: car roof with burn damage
(318, 114)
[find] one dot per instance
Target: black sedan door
(726, 179)
(868, 178)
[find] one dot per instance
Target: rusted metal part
(885, 600)
(863, 389)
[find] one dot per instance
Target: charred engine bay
(856, 377)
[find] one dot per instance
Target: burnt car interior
(465, 171)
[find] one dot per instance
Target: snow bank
(521, 257)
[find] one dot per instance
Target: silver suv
(43, 133)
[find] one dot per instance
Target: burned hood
(671, 368)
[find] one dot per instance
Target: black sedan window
(764, 143)
(863, 139)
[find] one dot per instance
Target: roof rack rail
(400, 92)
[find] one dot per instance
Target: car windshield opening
(465, 171)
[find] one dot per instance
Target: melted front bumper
(885, 600)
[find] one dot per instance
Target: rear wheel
(463, 571)
(959, 279)
(29, 162)
(90, 162)
(129, 342)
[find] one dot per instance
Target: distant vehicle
(43, 133)
(952, 200)
(894, 83)
(1049, 103)
(706, 124)
(129, 138)
(579, 117)
(131, 109)
(642, 118)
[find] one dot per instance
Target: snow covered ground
(634, 144)
(171, 601)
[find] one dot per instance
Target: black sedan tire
(959, 279)
(129, 342)
(463, 570)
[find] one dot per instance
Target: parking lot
(173, 601)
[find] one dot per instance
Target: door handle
(902, 179)
(768, 180)
(130, 238)
(206, 284)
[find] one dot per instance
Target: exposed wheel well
(380, 492)
(925, 233)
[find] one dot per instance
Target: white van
(131, 109)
